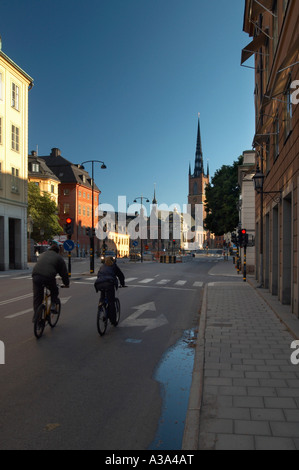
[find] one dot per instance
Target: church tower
(197, 182)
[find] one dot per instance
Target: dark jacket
(50, 264)
(109, 274)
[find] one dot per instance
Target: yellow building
(40, 174)
(14, 86)
(120, 242)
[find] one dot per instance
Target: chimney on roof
(55, 152)
(34, 153)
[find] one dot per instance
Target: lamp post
(141, 240)
(258, 181)
(103, 167)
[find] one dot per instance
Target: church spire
(154, 201)
(198, 169)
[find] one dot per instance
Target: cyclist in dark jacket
(49, 264)
(107, 282)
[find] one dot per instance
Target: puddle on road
(175, 375)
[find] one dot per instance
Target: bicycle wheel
(102, 320)
(117, 308)
(54, 317)
(39, 321)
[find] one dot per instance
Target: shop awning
(253, 47)
(260, 6)
(282, 75)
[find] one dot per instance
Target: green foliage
(222, 196)
(43, 212)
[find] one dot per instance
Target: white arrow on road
(149, 323)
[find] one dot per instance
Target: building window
(285, 4)
(14, 180)
(275, 26)
(267, 150)
(79, 209)
(276, 137)
(66, 192)
(288, 110)
(15, 96)
(66, 209)
(52, 189)
(15, 138)
(35, 167)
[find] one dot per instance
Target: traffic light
(243, 237)
(69, 227)
(88, 231)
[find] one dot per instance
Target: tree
(43, 212)
(222, 196)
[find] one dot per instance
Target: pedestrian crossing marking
(152, 282)
(163, 281)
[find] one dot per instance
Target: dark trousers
(38, 289)
(109, 289)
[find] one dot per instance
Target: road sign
(68, 245)
(135, 243)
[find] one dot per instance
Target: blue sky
(123, 81)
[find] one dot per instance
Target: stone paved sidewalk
(245, 390)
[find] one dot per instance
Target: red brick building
(274, 28)
(75, 198)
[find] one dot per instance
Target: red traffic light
(243, 231)
(68, 220)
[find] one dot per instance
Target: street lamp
(258, 181)
(103, 167)
(141, 240)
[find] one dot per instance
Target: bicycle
(102, 316)
(44, 314)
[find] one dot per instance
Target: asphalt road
(73, 389)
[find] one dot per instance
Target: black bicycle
(103, 316)
(45, 315)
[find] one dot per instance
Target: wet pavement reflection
(175, 375)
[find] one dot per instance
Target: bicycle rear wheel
(39, 321)
(54, 317)
(117, 309)
(102, 320)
